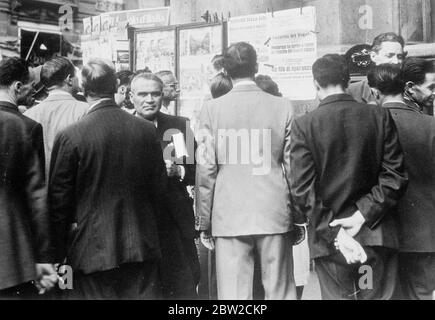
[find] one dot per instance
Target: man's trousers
(235, 267)
(417, 275)
(376, 279)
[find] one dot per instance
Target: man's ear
(256, 68)
(316, 85)
(69, 80)
(409, 87)
(17, 85)
(373, 56)
(375, 93)
(122, 89)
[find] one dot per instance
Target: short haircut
(218, 62)
(415, 70)
(387, 78)
(386, 37)
(148, 76)
(144, 70)
(99, 79)
(13, 69)
(266, 84)
(331, 70)
(220, 85)
(56, 70)
(240, 60)
(124, 77)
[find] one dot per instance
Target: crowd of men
(102, 186)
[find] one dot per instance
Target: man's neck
(4, 96)
(331, 91)
(394, 99)
(54, 90)
(238, 80)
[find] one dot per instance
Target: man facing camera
(347, 171)
(415, 210)
(107, 175)
(386, 48)
(180, 265)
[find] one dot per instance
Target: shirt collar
(8, 105)
(244, 83)
(58, 92)
(411, 103)
(97, 103)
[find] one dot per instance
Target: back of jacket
(243, 186)
(24, 229)
(347, 157)
(417, 207)
(107, 176)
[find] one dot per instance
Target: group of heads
(20, 81)
(391, 72)
(126, 92)
(239, 62)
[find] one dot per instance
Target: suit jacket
(416, 209)
(242, 188)
(107, 174)
(361, 92)
(33, 129)
(346, 156)
(24, 226)
(54, 114)
(181, 205)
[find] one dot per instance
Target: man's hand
(351, 225)
(46, 277)
(207, 240)
(352, 251)
(172, 169)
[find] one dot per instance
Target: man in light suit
(243, 199)
(59, 109)
(416, 208)
(347, 171)
(108, 175)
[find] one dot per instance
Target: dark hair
(144, 70)
(330, 70)
(13, 69)
(415, 70)
(240, 60)
(387, 78)
(218, 62)
(148, 76)
(266, 84)
(124, 77)
(56, 70)
(386, 37)
(220, 85)
(98, 79)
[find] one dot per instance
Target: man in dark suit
(14, 69)
(180, 264)
(419, 76)
(24, 238)
(102, 180)
(346, 172)
(416, 208)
